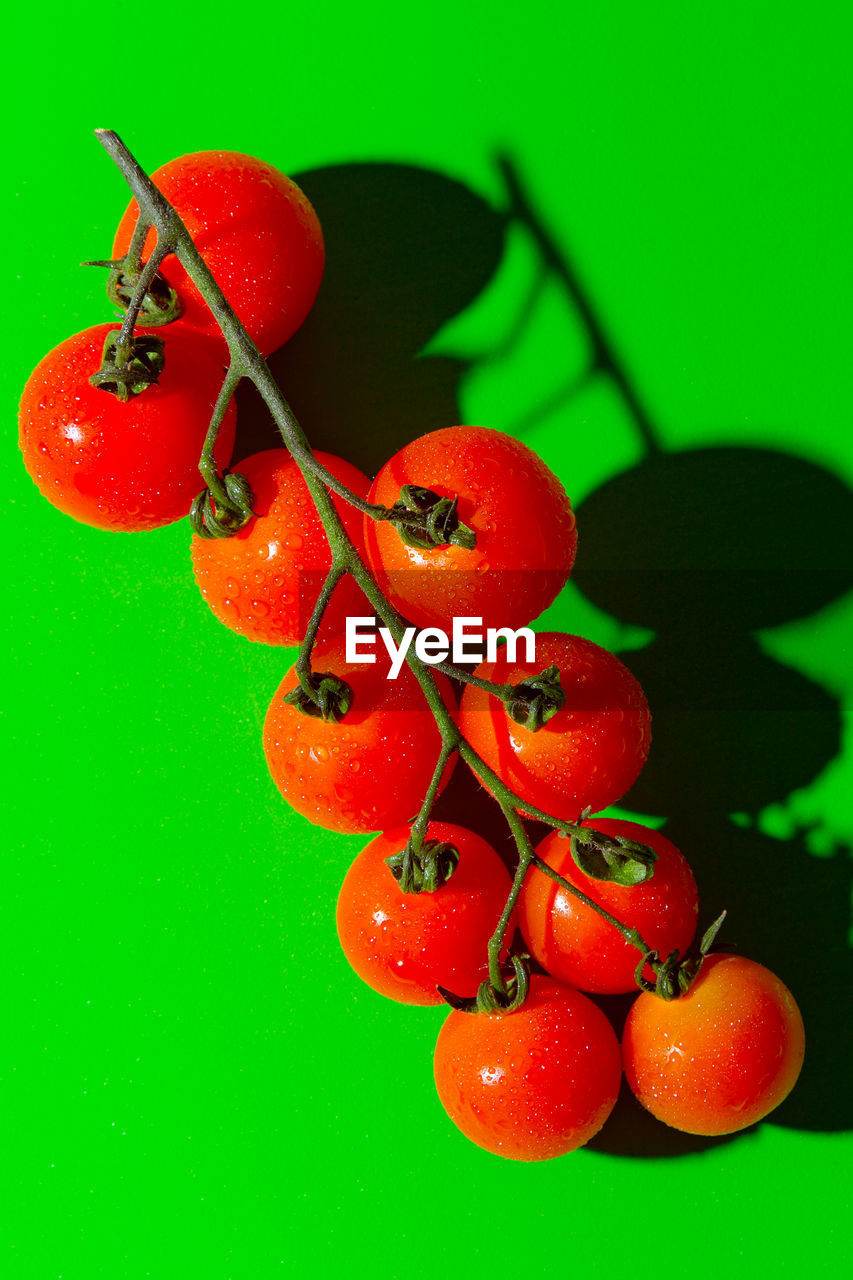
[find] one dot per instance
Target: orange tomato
(722, 1056)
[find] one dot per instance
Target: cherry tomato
(371, 770)
(404, 945)
(589, 753)
(264, 581)
(574, 944)
(129, 465)
(722, 1056)
(532, 1084)
(255, 230)
(519, 511)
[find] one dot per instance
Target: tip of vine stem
(107, 136)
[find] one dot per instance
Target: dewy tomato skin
(122, 466)
(256, 231)
(404, 945)
(719, 1058)
(370, 771)
(589, 753)
(577, 946)
(264, 581)
(532, 1084)
(518, 509)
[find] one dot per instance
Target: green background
(195, 1084)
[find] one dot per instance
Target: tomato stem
(525, 857)
(140, 289)
(419, 826)
(501, 691)
(247, 361)
(303, 662)
(630, 935)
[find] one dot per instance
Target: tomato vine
(246, 362)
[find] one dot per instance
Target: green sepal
(128, 371)
(536, 700)
(426, 870)
(674, 977)
(693, 960)
(488, 999)
(212, 518)
(613, 858)
(323, 695)
(436, 520)
(160, 305)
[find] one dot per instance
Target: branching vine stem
(502, 691)
(419, 826)
(207, 462)
(303, 662)
(247, 362)
(143, 284)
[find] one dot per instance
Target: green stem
(415, 841)
(630, 935)
(502, 691)
(303, 662)
(525, 857)
(246, 361)
(140, 288)
(133, 257)
(207, 462)
(505, 796)
(420, 823)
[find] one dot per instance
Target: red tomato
(722, 1056)
(525, 527)
(574, 944)
(589, 753)
(531, 1084)
(370, 771)
(264, 581)
(404, 945)
(255, 230)
(126, 466)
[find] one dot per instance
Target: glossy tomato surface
(256, 231)
(589, 753)
(577, 946)
(371, 770)
(264, 581)
(122, 466)
(518, 509)
(722, 1056)
(404, 945)
(532, 1084)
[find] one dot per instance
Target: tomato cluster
(122, 453)
(464, 522)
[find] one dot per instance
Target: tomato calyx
(616, 859)
(536, 700)
(227, 514)
(160, 305)
(674, 976)
(489, 998)
(129, 368)
(425, 520)
(424, 870)
(322, 695)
